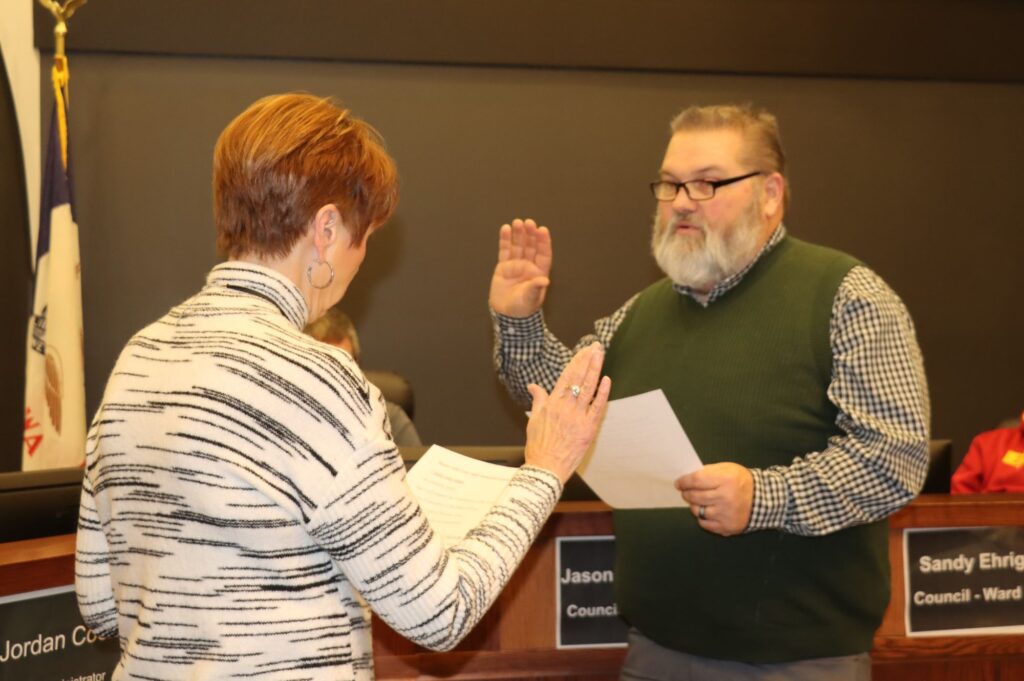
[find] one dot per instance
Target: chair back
(395, 387)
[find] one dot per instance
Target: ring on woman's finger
(575, 390)
(702, 512)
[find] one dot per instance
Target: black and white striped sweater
(242, 492)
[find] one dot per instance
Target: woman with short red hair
(242, 500)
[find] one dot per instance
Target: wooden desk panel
(520, 628)
(897, 656)
(36, 564)
(516, 639)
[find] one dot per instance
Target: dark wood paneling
(940, 39)
(15, 279)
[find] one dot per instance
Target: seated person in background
(336, 328)
(994, 463)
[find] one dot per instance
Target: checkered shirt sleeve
(526, 352)
(880, 460)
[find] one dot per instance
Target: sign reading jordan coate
(965, 580)
(44, 639)
(584, 583)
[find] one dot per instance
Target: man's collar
(724, 286)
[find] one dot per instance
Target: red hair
(288, 155)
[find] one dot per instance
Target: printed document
(456, 491)
(639, 452)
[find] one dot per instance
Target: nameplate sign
(965, 580)
(44, 638)
(587, 616)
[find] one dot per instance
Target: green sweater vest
(747, 377)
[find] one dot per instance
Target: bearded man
(796, 373)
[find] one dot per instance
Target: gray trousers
(648, 661)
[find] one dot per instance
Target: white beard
(700, 261)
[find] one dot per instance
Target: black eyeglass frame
(685, 186)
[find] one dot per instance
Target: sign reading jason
(585, 585)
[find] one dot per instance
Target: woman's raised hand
(563, 424)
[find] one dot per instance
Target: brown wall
(911, 165)
(15, 275)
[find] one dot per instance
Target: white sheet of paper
(456, 491)
(640, 451)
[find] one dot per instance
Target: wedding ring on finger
(702, 512)
(575, 390)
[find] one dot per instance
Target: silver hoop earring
(318, 263)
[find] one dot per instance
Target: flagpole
(62, 13)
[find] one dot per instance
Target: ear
(328, 230)
(773, 194)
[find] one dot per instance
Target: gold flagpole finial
(61, 13)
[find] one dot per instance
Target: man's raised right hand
(521, 277)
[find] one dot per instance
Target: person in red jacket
(994, 463)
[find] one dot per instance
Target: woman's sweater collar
(265, 283)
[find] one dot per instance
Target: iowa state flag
(55, 371)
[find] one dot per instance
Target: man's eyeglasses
(697, 190)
